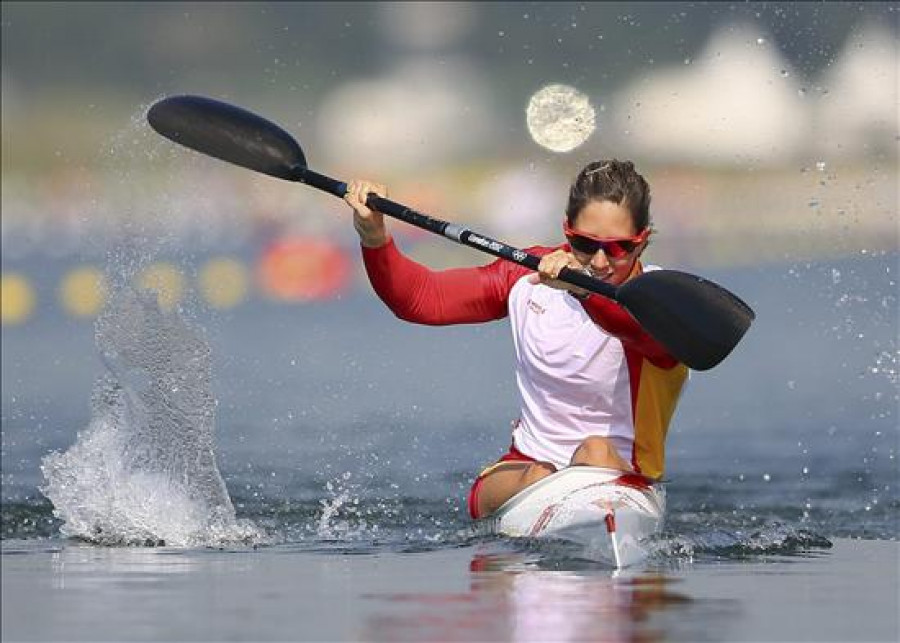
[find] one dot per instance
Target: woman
(595, 388)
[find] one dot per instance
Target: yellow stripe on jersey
(658, 392)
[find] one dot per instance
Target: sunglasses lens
(583, 244)
(618, 249)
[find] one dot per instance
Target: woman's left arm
(619, 323)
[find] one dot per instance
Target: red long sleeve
(471, 295)
(456, 296)
(619, 323)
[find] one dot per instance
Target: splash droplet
(560, 118)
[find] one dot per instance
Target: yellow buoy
(223, 282)
(17, 299)
(83, 292)
(164, 279)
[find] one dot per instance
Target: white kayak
(608, 513)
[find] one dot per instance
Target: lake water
(346, 441)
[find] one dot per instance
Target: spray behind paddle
(144, 470)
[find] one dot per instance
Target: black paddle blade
(698, 321)
(228, 133)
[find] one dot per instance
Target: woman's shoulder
(504, 273)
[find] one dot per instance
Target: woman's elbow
(415, 316)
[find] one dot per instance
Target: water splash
(144, 470)
(346, 515)
(775, 539)
(332, 524)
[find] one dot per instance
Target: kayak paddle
(696, 320)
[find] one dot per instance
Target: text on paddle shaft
(489, 244)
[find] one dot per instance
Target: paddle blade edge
(698, 321)
(228, 133)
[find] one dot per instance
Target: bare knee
(536, 471)
(600, 452)
(503, 483)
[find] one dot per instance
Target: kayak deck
(610, 514)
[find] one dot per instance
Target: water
(144, 470)
(318, 458)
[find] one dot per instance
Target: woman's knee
(599, 451)
(500, 485)
(536, 471)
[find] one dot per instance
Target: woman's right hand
(552, 264)
(369, 223)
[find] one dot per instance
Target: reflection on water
(485, 591)
(86, 567)
(523, 597)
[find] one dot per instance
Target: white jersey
(575, 379)
(572, 377)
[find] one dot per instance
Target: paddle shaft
(696, 321)
(452, 231)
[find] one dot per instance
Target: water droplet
(760, 41)
(560, 118)
(785, 73)
(767, 477)
(820, 165)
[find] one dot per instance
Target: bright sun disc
(560, 118)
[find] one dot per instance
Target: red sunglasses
(614, 248)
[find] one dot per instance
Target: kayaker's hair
(611, 180)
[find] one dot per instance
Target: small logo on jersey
(536, 307)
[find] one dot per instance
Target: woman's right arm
(415, 293)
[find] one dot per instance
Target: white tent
(859, 111)
(412, 117)
(738, 102)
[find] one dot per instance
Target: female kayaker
(595, 388)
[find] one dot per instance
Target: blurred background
(768, 132)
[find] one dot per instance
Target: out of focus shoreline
(233, 235)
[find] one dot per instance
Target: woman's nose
(599, 261)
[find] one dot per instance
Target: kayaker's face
(608, 220)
